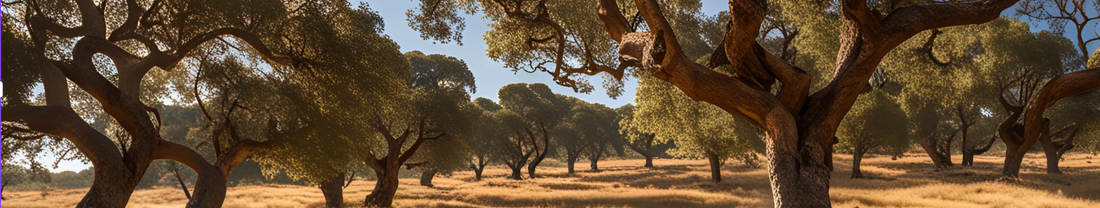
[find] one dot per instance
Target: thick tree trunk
(426, 178)
(209, 189)
(857, 160)
(595, 162)
(333, 189)
(478, 169)
(385, 190)
(1051, 154)
(968, 158)
(1012, 163)
(517, 173)
(649, 161)
(572, 161)
(715, 167)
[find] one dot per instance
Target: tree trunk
(595, 162)
(517, 173)
(210, 189)
(572, 160)
(1013, 161)
(333, 189)
(649, 161)
(478, 169)
(968, 157)
(385, 190)
(857, 159)
(426, 178)
(715, 167)
(1052, 155)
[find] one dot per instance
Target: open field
(907, 182)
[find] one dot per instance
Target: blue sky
(490, 76)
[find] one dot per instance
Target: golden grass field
(907, 182)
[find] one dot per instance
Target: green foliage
(592, 129)
(20, 68)
(876, 124)
(696, 127)
(15, 175)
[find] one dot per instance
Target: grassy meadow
(907, 182)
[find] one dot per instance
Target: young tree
(876, 124)
(540, 111)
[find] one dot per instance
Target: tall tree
(876, 124)
(606, 139)
(540, 111)
(424, 126)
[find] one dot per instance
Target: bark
(645, 148)
(333, 189)
(517, 173)
(649, 161)
(571, 161)
(388, 167)
(426, 178)
(715, 167)
(477, 173)
(540, 153)
(1052, 156)
(857, 159)
(179, 178)
(385, 189)
(596, 155)
(479, 167)
(1056, 145)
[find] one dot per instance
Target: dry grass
(907, 182)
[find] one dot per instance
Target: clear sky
(490, 76)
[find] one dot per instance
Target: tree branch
(1062, 86)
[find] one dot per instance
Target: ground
(907, 182)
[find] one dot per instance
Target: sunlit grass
(908, 182)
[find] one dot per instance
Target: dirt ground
(907, 182)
